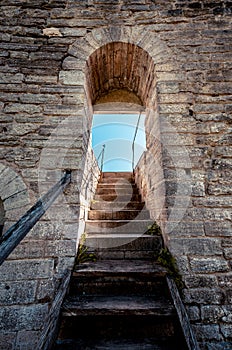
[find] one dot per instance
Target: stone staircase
(121, 301)
(118, 221)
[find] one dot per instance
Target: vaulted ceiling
(120, 72)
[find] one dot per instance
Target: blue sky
(117, 132)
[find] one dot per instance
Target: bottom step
(122, 344)
(92, 332)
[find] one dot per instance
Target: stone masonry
(60, 57)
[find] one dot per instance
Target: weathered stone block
(228, 253)
(17, 201)
(72, 63)
(218, 345)
(7, 340)
(200, 281)
(225, 281)
(64, 263)
(207, 332)
(17, 292)
(27, 340)
(22, 108)
(208, 265)
(32, 249)
(45, 290)
(22, 318)
(193, 313)
(6, 78)
(26, 269)
(201, 296)
(37, 79)
(196, 246)
(226, 330)
(44, 230)
(218, 228)
(185, 228)
(12, 187)
(71, 77)
(212, 313)
(168, 87)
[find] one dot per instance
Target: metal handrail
(133, 143)
(13, 236)
(101, 154)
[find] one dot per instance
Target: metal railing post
(102, 158)
(133, 143)
(101, 154)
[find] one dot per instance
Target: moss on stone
(153, 230)
(166, 259)
(82, 253)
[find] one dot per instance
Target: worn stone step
(117, 191)
(118, 327)
(111, 226)
(118, 215)
(117, 285)
(92, 305)
(120, 174)
(107, 268)
(114, 180)
(104, 254)
(119, 344)
(124, 241)
(119, 184)
(115, 277)
(116, 205)
(123, 197)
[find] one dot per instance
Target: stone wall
(46, 113)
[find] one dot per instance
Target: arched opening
(118, 140)
(2, 216)
(120, 79)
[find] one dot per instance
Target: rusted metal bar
(19, 230)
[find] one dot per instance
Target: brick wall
(46, 112)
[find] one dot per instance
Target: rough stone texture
(184, 175)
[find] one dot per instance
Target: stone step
(114, 180)
(124, 241)
(111, 226)
(92, 305)
(92, 328)
(112, 175)
(123, 197)
(116, 205)
(107, 268)
(116, 191)
(120, 184)
(119, 344)
(118, 215)
(104, 254)
(115, 277)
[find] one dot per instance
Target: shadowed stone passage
(121, 301)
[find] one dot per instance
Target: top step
(125, 175)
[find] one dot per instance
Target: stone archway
(166, 150)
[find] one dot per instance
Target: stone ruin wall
(43, 97)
